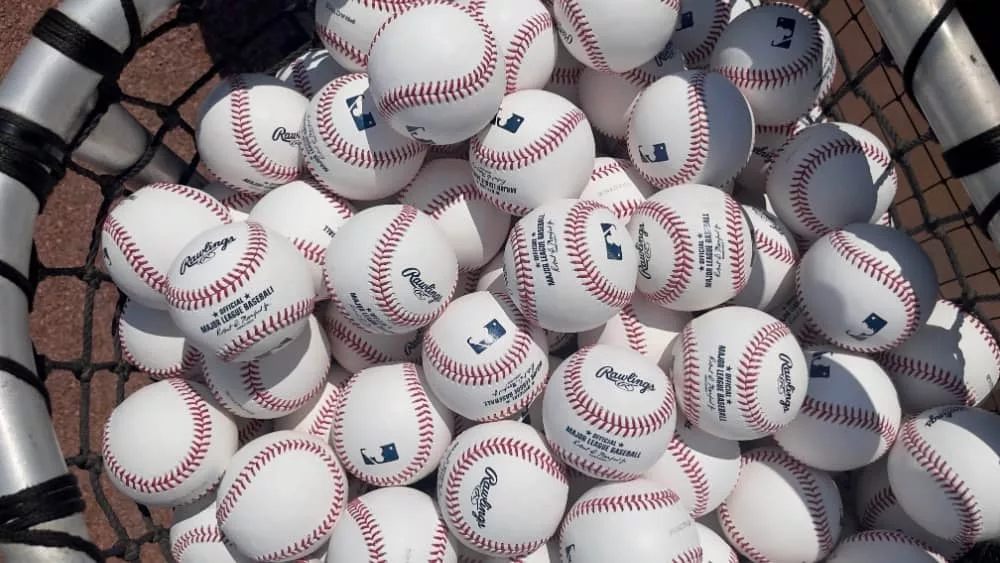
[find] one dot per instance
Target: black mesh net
(930, 206)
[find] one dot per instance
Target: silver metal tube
(953, 83)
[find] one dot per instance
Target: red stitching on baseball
(340, 45)
(522, 273)
(677, 231)
(241, 122)
(636, 502)
(190, 357)
(883, 499)
(322, 421)
(520, 44)
(891, 536)
(566, 76)
(775, 249)
(311, 251)
(921, 371)
(356, 343)
(590, 276)
(577, 19)
(988, 337)
(210, 203)
(692, 555)
(768, 78)
(262, 396)
(201, 441)
(738, 259)
(536, 456)
(134, 256)
(635, 333)
(685, 458)
(851, 417)
(720, 20)
(451, 196)
(370, 532)
(200, 534)
(748, 372)
(252, 429)
(273, 323)
(299, 75)
(692, 375)
(962, 500)
(519, 158)
(700, 139)
(639, 78)
(736, 538)
(439, 543)
(227, 285)
(443, 91)
(227, 503)
(240, 201)
(607, 169)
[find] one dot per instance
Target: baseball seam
(344, 333)
(322, 421)
(241, 125)
(738, 539)
(774, 249)
(720, 20)
(769, 78)
(881, 501)
(521, 42)
(479, 374)
(891, 536)
(748, 373)
(262, 396)
(370, 531)
(340, 45)
(590, 468)
(690, 555)
(310, 250)
(738, 258)
(190, 357)
(250, 430)
(692, 375)
(194, 536)
(134, 257)
(635, 332)
(578, 21)
(546, 143)
(271, 324)
(951, 383)
(695, 473)
(451, 196)
(700, 140)
(300, 76)
(523, 275)
(228, 284)
(566, 76)
(851, 417)
(683, 267)
(439, 543)
(985, 333)
(590, 276)
(636, 502)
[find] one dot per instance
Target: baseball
(609, 412)
(548, 553)
(276, 384)
(792, 313)
(937, 470)
(281, 496)
(526, 39)
(146, 231)
(442, 91)
(615, 183)
(642, 326)
(239, 291)
(781, 509)
(247, 132)
(501, 490)
(312, 70)
(346, 28)
(565, 78)
(316, 417)
(829, 175)
(695, 247)
(866, 287)
(952, 359)
(701, 468)
(614, 37)
(606, 97)
(883, 545)
(483, 358)
(690, 127)
(850, 416)
(700, 23)
(445, 190)
(390, 269)
(355, 349)
(714, 549)
(238, 203)
(168, 443)
(767, 142)
(392, 525)
(249, 429)
(774, 55)
(597, 525)
(775, 256)
(743, 358)
(308, 217)
(491, 275)
(538, 149)
(389, 430)
(152, 343)
(195, 535)
(570, 265)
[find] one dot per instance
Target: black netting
(931, 206)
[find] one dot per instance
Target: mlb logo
(656, 153)
(362, 120)
(416, 132)
(666, 54)
(785, 30)
(512, 123)
(493, 331)
(685, 20)
(873, 325)
(387, 454)
(818, 369)
(611, 246)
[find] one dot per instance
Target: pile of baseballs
(415, 268)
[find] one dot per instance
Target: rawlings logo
(422, 290)
(285, 136)
(944, 413)
(785, 386)
(207, 253)
(645, 251)
(480, 497)
(624, 381)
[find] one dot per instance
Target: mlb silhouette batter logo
(387, 454)
(784, 30)
(416, 132)
(817, 368)
(362, 120)
(665, 54)
(511, 123)
(611, 246)
(493, 331)
(873, 325)
(656, 153)
(685, 20)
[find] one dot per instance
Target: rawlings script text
(645, 251)
(423, 291)
(625, 381)
(206, 253)
(481, 497)
(785, 386)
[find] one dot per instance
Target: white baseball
(609, 412)
(152, 343)
(565, 78)
(767, 143)
(389, 429)
(501, 489)
(548, 553)
(792, 313)
(937, 468)
(168, 443)
(440, 91)
(247, 132)
(695, 247)
(850, 416)
(829, 175)
(276, 384)
(308, 216)
(316, 417)
(883, 545)
(714, 549)
(392, 525)
(866, 287)
(618, 185)
(538, 149)
(239, 203)
(355, 349)
(281, 496)
(239, 291)
(195, 535)
(606, 97)
(952, 359)
(775, 256)
(570, 265)
(146, 231)
(641, 326)
(774, 55)
(739, 373)
(526, 39)
(614, 37)
(598, 526)
(311, 70)
(445, 190)
(491, 275)
(483, 358)
(781, 509)
(701, 468)
(700, 23)
(350, 149)
(346, 27)
(390, 269)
